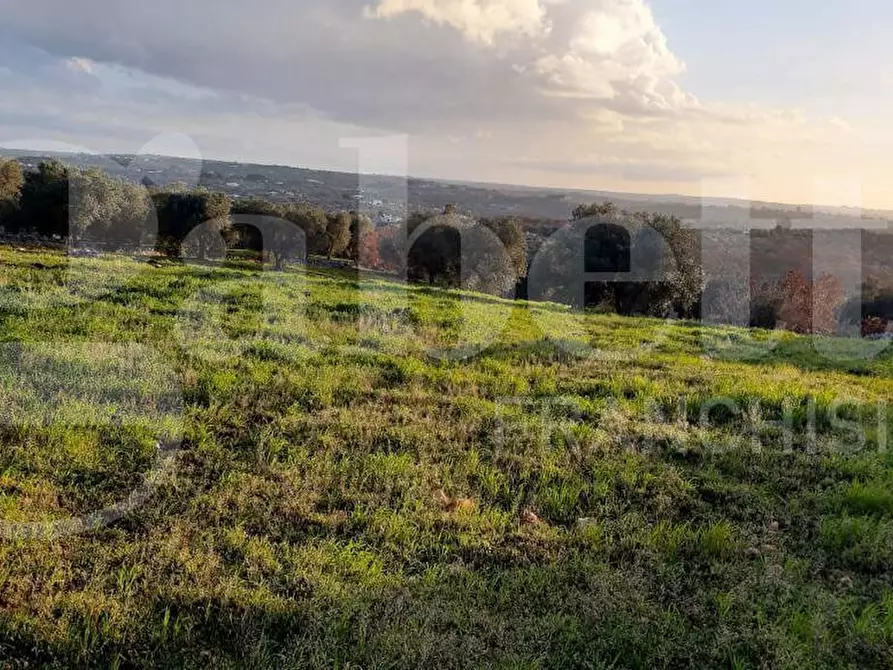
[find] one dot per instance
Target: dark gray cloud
(395, 74)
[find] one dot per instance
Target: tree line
(603, 257)
(447, 248)
(91, 207)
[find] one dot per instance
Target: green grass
(322, 430)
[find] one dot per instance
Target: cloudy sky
(769, 99)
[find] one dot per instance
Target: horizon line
(738, 201)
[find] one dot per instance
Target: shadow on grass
(571, 613)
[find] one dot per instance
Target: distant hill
(386, 198)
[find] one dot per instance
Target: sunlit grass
(376, 475)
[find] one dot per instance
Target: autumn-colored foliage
(827, 299)
(795, 309)
(874, 325)
(804, 307)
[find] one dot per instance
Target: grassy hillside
(344, 482)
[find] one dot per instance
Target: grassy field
(364, 475)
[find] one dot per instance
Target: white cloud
(616, 50)
(480, 20)
(596, 49)
(569, 84)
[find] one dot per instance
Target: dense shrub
(337, 236)
(872, 310)
(44, 200)
(105, 209)
(391, 256)
(455, 251)
(794, 303)
(180, 213)
(646, 264)
(12, 179)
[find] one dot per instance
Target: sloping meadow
(220, 466)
